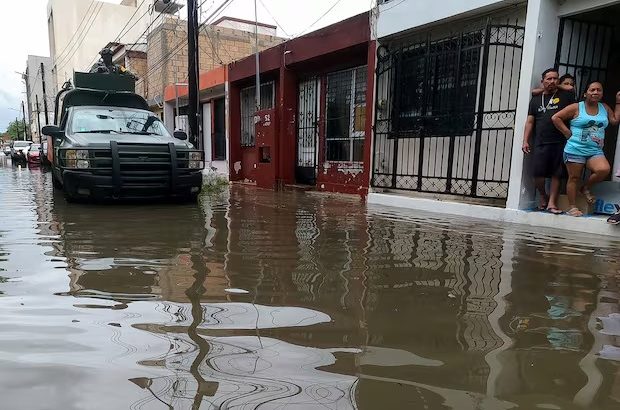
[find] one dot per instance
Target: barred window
(437, 85)
(346, 115)
(248, 110)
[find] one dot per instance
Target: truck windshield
(117, 120)
(21, 144)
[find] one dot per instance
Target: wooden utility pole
(17, 125)
(47, 120)
(192, 75)
(36, 96)
(24, 117)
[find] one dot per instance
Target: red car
(33, 155)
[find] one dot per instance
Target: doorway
(219, 130)
(307, 131)
(588, 50)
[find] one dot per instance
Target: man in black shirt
(548, 141)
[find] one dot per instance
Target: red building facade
(315, 123)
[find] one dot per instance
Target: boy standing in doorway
(548, 141)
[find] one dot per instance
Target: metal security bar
(445, 112)
(345, 122)
(584, 50)
(248, 110)
(307, 130)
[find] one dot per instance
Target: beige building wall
(94, 23)
(167, 53)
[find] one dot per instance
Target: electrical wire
(59, 55)
(320, 18)
(392, 6)
(144, 33)
(84, 34)
(178, 47)
(120, 34)
(274, 19)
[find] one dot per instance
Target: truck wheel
(55, 182)
(68, 197)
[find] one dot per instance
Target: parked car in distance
(33, 154)
(19, 150)
(43, 154)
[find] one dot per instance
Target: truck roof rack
(105, 82)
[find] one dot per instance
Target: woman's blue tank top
(588, 132)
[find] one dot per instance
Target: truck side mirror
(52, 131)
(180, 135)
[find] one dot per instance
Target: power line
(84, 34)
(320, 18)
(59, 56)
(137, 42)
(392, 6)
(161, 14)
(178, 47)
(274, 19)
(120, 34)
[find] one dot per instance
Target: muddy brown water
(256, 299)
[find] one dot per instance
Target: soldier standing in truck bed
(106, 66)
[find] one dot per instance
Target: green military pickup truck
(109, 146)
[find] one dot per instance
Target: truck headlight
(196, 156)
(77, 158)
(81, 154)
(196, 164)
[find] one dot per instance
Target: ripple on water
(343, 306)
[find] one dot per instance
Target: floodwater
(255, 299)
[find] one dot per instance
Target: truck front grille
(140, 164)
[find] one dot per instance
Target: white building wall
(249, 27)
(80, 29)
(396, 15)
(539, 52)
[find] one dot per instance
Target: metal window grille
(438, 86)
(345, 121)
(445, 112)
(584, 50)
(248, 110)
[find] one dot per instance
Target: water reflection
(345, 307)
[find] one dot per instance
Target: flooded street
(289, 300)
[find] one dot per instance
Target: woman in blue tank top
(586, 138)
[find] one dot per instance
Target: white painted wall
(169, 116)
(396, 15)
(541, 37)
(93, 26)
(238, 25)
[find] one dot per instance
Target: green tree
(15, 130)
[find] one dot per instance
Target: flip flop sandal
(555, 211)
(545, 204)
(574, 212)
(614, 219)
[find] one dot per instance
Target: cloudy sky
(23, 26)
